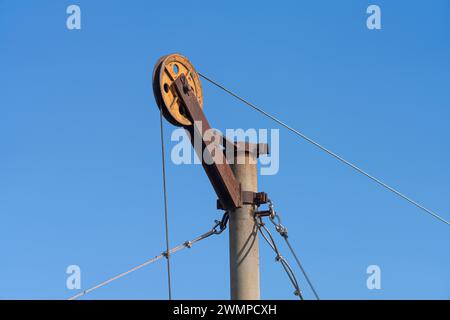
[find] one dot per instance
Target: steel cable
(302, 269)
(166, 214)
(186, 244)
(282, 230)
(287, 268)
(336, 156)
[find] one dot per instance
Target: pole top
(244, 147)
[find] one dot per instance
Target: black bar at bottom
(222, 309)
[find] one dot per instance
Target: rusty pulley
(178, 93)
(166, 71)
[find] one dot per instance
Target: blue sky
(80, 166)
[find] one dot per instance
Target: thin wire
(398, 193)
(283, 231)
(301, 268)
(104, 283)
(166, 214)
(187, 244)
(287, 268)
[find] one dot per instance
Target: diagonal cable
(331, 153)
(283, 231)
(267, 236)
(186, 244)
(301, 268)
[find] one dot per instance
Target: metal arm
(219, 172)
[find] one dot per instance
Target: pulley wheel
(166, 71)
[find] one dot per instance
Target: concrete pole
(244, 244)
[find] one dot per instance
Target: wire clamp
(222, 224)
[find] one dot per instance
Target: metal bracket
(249, 197)
(256, 198)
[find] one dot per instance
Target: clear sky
(80, 166)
